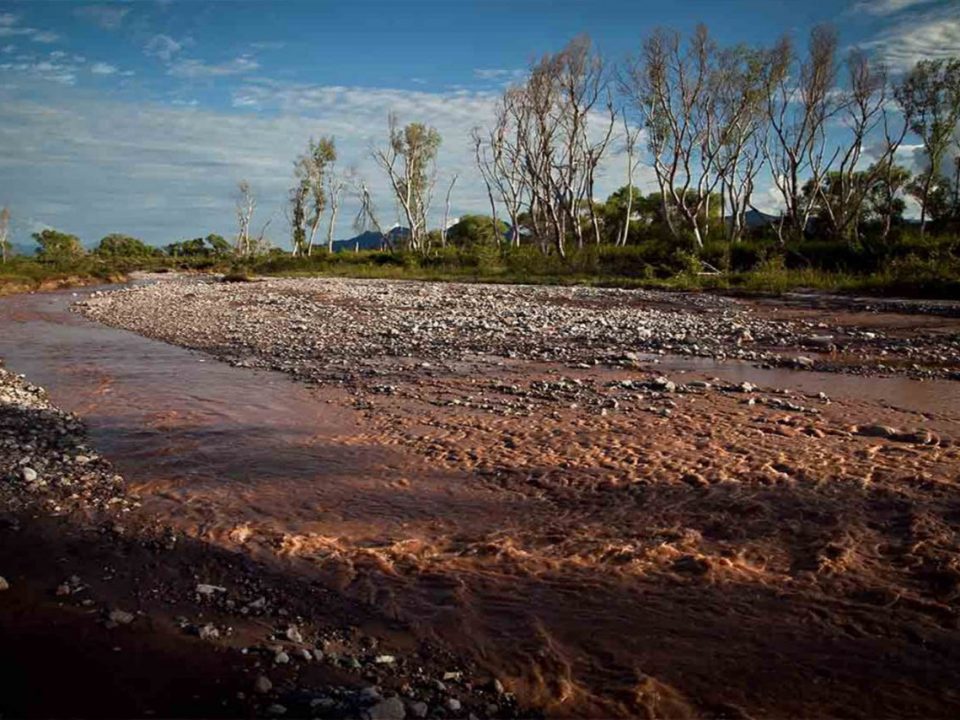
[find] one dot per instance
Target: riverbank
(601, 496)
(100, 594)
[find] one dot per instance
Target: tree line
(711, 123)
(824, 133)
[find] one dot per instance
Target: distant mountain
(757, 219)
(371, 240)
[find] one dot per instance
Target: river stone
(29, 474)
(262, 685)
(121, 617)
(880, 431)
(389, 709)
(419, 709)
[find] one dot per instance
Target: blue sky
(141, 117)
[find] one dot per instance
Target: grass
(908, 267)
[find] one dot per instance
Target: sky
(141, 117)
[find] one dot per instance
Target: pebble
(4, 585)
(390, 709)
(262, 685)
(121, 617)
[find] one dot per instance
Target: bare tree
(410, 163)
(446, 213)
(631, 137)
(366, 217)
(336, 184)
(298, 218)
(311, 170)
(4, 234)
(246, 204)
(674, 90)
(800, 102)
(930, 97)
(500, 160)
(739, 131)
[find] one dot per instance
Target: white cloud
(45, 36)
(268, 45)
(51, 70)
(927, 37)
(7, 19)
(102, 68)
(163, 47)
(883, 8)
(192, 68)
(165, 172)
(8, 49)
(109, 17)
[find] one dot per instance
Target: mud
(609, 530)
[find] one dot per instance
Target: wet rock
(208, 590)
(690, 565)
(418, 709)
(878, 431)
(276, 710)
(121, 617)
(262, 685)
(208, 632)
(390, 709)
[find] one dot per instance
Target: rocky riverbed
(318, 328)
(613, 503)
(92, 585)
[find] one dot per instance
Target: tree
(218, 244)
(699, 107)
(246, 204)
(884, 201)
(929, 96)
(312, 169)
(56, 246)
(410, 163)
(4, 234)
(800, 103)
(446, 211)
(117, 245)
(298, 218)
(477, 230)
(336, 184)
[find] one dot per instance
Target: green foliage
(117, 245)
(56, 246)
(474, 230)
(211, 246)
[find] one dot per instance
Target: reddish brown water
(556, 570)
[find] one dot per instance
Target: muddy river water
(557, 587)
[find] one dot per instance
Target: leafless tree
(366, 217)
(738, 131)
(336, 184)
(311, 170)
(410, 163)
(929, 96)
(631, 136)
(673, 87)
(446, 212)
(246, 204)
(4, 234)
(547, 141)
(801, 100)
